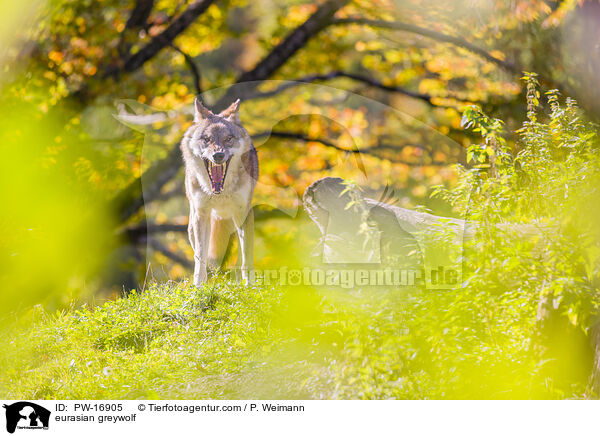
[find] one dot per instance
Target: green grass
(170, 341)
(229, 341)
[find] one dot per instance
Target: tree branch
(140, 232)
(298, 136)
(357, 77)
(335, 74)
(132, 198)
(137, 19)
(297, 39)
(139, 14)
(443, 37)
(158, 246)
(162, 40)
(193, 69)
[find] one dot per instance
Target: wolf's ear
(200, 112)
(232, 113)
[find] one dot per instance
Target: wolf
(221, 171)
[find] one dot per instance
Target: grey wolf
(221, 171)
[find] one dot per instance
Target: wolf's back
(250, 162)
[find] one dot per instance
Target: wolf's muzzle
(219, 157)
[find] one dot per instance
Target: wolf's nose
(219, 157)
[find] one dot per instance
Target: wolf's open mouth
(216, 174)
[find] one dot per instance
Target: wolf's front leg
(200, 231)
(245, 233)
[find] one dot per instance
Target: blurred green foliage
(54, 230)
(536, 245)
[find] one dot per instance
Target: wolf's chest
(227, 205)
(232, 202)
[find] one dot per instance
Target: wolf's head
(215, 139)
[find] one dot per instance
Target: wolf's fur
(216, 211)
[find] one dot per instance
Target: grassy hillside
(228, 341)
(172, 341)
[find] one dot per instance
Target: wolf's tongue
(216, 172)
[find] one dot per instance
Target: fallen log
(362, 231)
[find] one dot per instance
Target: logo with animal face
(26, 415)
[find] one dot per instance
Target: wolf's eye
(204, 138)
(229, 139)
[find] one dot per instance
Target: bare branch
(132, 198)
(298, 136)
(177, 191)
(443, 37)
(297, 39)
(140, 232)
(357, 77)
(138, 19)
(193, 69)
(335, 74)
(139, 14)
(163, 39)
(158, 246)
